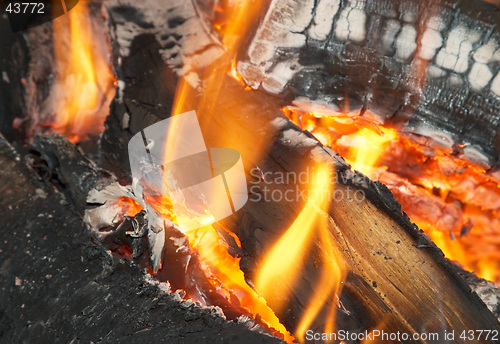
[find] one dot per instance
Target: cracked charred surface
(429, 66)
(59, 284)
(174, 40)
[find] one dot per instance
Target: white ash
(110, 213)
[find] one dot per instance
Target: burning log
(392, 265)
(60, 284)
(397, 280)
(44, 65)
(427, 66)
(361, 260)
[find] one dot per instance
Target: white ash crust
(110, 213)
(188, 44)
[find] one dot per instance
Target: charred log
(392, 264)
(61, 285)
(427, 66)
(14, 66)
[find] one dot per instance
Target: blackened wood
(488, 291)
(60, 285)
(60, 163)
(427, 66)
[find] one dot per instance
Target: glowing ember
(283, 264)
(454, 201)
(84, 86)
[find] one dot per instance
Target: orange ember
(84, 86)
(455, 202)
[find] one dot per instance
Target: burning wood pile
(251, 171)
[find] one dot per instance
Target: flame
(227, 270)
(454, 201)
(281, 267)
(205, 240)
(368, 145)
(84, 85)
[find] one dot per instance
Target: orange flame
(367, 145)
(454, 201)
(84, 86)
(205, 240)
(282, 265)
(227, 270)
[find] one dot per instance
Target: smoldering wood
(393, 266)
(28, 71)
(60, 284)
(414, 64)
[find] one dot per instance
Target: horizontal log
(427, 66)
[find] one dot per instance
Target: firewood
(425, 66)
(397, 278)
(393, 267)
(59, 284)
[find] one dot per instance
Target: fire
(205, 239)
(367, 145)
(281, 268)
(454, 201)
(84, 84)
(227, 270)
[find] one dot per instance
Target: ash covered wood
(428, 66)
